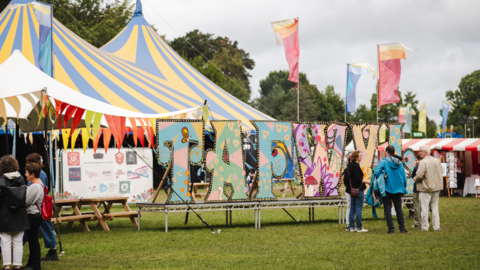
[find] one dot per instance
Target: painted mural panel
(180, 142)
(365, 139)
(225, 163)
(395, 138)
(320, 150)
(409, 159)
(274, 154)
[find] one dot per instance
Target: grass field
(280, 244)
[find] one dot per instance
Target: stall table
(469, 187)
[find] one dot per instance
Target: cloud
(333, 33)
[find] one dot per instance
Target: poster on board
(113, 174)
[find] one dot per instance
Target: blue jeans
(356, 207)
(48, 235)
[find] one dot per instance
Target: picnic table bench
(96, 215)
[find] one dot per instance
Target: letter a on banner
(275, 150)
(225, 163)
(181, 143)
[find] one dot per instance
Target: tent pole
(50, 179)
(7, 144)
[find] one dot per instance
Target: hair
(34, 158)
(33, 168)
(252, 171)
(418, 157)
(390, 150)
(354, 156)
(425, 148)
(8, 164)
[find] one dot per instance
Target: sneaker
(437, 230)
(51, 256)
(404, 231)
(347, 229)
(353, 230)
(362, 230)
(390, 232)
(410, 214)
(415, 226)
(423, 230)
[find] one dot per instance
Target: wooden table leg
(106, 210)
(77, 212)
(99, 216)
(127, 209)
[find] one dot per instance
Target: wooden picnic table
(195, 188)
(95, 204)
(76, 215)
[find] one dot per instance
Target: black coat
(12, 220)
(355, 175)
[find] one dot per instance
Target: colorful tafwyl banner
(318, 148)
(112, 174)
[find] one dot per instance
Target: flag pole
(378, 81)
(298, 84)
(346, 89)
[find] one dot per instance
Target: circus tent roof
(136, 71)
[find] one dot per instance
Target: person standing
(395, 187)
(355, 178)
(35, 193)
(13, 220)
(460, 181)
(46, 227)
(429, 183)
(417, 208)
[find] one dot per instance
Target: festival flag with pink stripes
(287, 30)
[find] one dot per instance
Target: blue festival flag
(446, 105)
(43, 12)
(354, 71)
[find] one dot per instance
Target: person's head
(252, 173)
(390, 150)
(8, 164)
(34, 158)
(424, 151)
(32, 171)
(356, 156)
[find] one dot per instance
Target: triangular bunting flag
(95, 141)
(65, 138)
(85, 138)
(74, 138)
(107, 136)
(133, 122)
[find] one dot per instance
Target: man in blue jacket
(395, 187)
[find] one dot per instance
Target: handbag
(354, 192)
(16, 196)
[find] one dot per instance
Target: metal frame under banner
(256, 206)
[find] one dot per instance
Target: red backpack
(47, 205)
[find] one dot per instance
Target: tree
(337, 103)
(280, 78)
(465, 99)
(95, 21)
(233, 61)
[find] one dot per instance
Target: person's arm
(422, 170)
(32, 192)
(380, 168)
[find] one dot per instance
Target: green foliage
(233, 61)
(465, 99)
(95, 21)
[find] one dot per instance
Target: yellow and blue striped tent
(136, 71)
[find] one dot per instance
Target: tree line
(221, 60)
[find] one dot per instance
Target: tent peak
(138, 9)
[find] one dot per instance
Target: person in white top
(460, 181)
(35, 194)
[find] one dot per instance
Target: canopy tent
(136, 71)
(439, 144)
(21, 84)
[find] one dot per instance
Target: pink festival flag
(389, 71)
(287, 30)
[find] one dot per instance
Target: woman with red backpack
(35, 193)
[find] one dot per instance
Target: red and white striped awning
(439, 144)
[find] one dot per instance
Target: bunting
(65, 138)
(74, 138)
(95, 141)
(107, 136)
(85, 138)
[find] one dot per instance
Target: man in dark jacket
(395, 188)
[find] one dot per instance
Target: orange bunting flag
(140, 135)
(58, 106)
(107, 135)
(117, 126)
(95, 141)
(59, 117)
(134, 129)
(68, 114)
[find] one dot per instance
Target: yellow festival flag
(422, 117)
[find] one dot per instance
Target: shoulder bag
(354, 192)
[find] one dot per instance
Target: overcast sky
(333, 33)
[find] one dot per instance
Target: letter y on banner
(180, 142)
